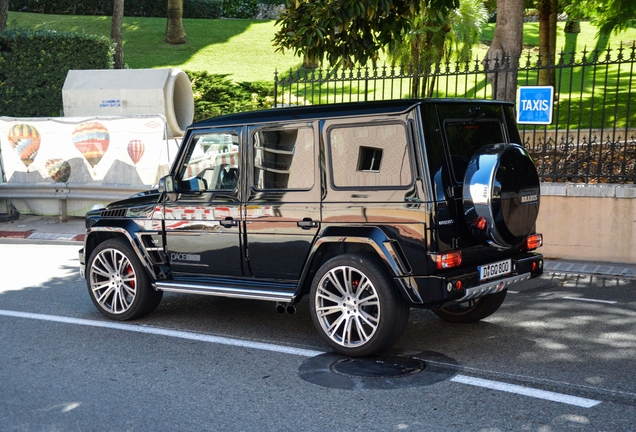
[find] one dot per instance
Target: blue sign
(535, 104)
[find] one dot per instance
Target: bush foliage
(216, 95)
(34, 65)
(146, 8)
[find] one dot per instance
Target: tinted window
(284, 158)
(464, 138)
(370, 156)
(213, 161)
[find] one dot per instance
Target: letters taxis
(535, 105)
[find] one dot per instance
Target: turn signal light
(532, 242)
(448, 260)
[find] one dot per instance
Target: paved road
(559, 355)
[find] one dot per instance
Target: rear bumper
(443, 289)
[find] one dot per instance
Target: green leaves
(35, 64)
(343, 30)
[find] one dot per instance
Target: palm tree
(175, 32)
(4, 13)
(115, 33)
(437, 35)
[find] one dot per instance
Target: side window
(370, 156)
(284, 158)
(212, 162)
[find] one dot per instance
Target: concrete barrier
(588, 222)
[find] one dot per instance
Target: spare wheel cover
(502, 185)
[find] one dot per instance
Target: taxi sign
(535, 104)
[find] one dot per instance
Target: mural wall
(130, 151)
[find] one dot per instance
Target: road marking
(165, 332)
(463, 379)
(526, 391)
(591, 300)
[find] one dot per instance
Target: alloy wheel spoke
(336, 283)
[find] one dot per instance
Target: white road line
(526, 391)
(591, 300)
(165, 332)
(463, 379)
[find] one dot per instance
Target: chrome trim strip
(490, 288)
(221, 291)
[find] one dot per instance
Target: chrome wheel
(113, 281)
(347, 306)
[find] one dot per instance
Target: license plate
(490, 271)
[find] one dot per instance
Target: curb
(32, 235)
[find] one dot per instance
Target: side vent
(154, 248)
(114, 213)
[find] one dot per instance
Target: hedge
(34, 65)
(146, 8)
(215, 94)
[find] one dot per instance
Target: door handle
(228, 222)
(308, 223)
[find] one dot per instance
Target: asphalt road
(559, 355)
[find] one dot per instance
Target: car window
(370, 156)
(213, 162)
(284, 158)
(464, 138)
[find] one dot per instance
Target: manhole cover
(400, 370)
(378, 367)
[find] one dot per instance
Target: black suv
(369, 208)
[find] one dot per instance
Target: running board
(221, 291)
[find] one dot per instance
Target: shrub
(240, 8)
(202, 8)
(216, 94)
(34, 65)
(146, 8)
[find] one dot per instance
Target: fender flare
(388, 251)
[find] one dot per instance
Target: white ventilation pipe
(122, 92)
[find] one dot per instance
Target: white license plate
(490, 271)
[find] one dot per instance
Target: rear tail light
(448, 260)
(532, 242)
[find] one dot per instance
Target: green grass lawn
(243, 48)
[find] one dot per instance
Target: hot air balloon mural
(25, 140)
(136, 150)
(92, 140)
(58, 169)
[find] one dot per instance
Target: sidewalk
(43, 228)
(30, 227)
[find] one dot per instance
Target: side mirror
(166, 184)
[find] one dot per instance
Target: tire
(118, 283)
(355, 306)
(472, 310)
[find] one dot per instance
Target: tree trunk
(572, 26)
(115, 33)
(505, 50)
(175, 32)
(4, 13)
(553, 40)
(545, 8)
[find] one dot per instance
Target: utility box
(122, 92)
